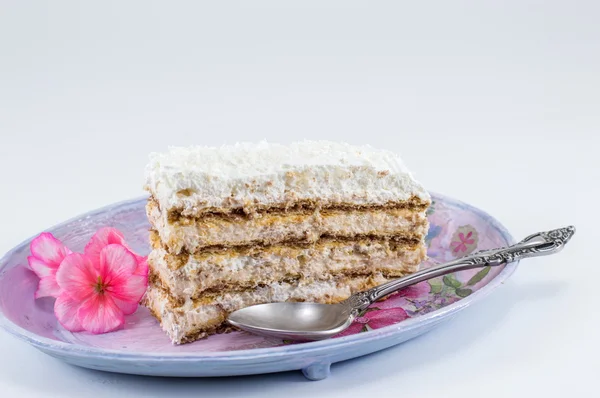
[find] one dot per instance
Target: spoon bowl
(295, 321)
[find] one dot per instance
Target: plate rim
(75, 350)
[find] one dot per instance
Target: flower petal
(354, 328)
(48, 287)
(415, 291)
(41, 268)
(127, 307)
(142, 267)
(48, 249)
(100, 314)
(116, 263)
(102, 238)
(77, 276)
(382, 318)
(128, 290)
(65, 309)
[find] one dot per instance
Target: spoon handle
(539, 244)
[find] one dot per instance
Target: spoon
(314, 321)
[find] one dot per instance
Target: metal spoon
(313, 321)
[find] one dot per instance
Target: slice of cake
(255, 223)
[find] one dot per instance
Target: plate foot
(317, 371)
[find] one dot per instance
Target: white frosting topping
(195, 179)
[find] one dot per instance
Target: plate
(141, 347)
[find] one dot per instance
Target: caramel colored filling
(299, 207)
(396, 243)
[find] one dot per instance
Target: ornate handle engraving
(361, 300)
(539, 244)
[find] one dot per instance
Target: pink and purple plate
(141, 347)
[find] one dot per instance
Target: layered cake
(255, 223)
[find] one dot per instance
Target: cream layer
(191, 275)
(191, 235)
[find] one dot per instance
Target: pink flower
(47, 253)
(415, 291)
(419, 291)
(464, 241)
(98, 291)
(108, 236)
(375, 320)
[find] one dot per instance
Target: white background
(494, 103)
